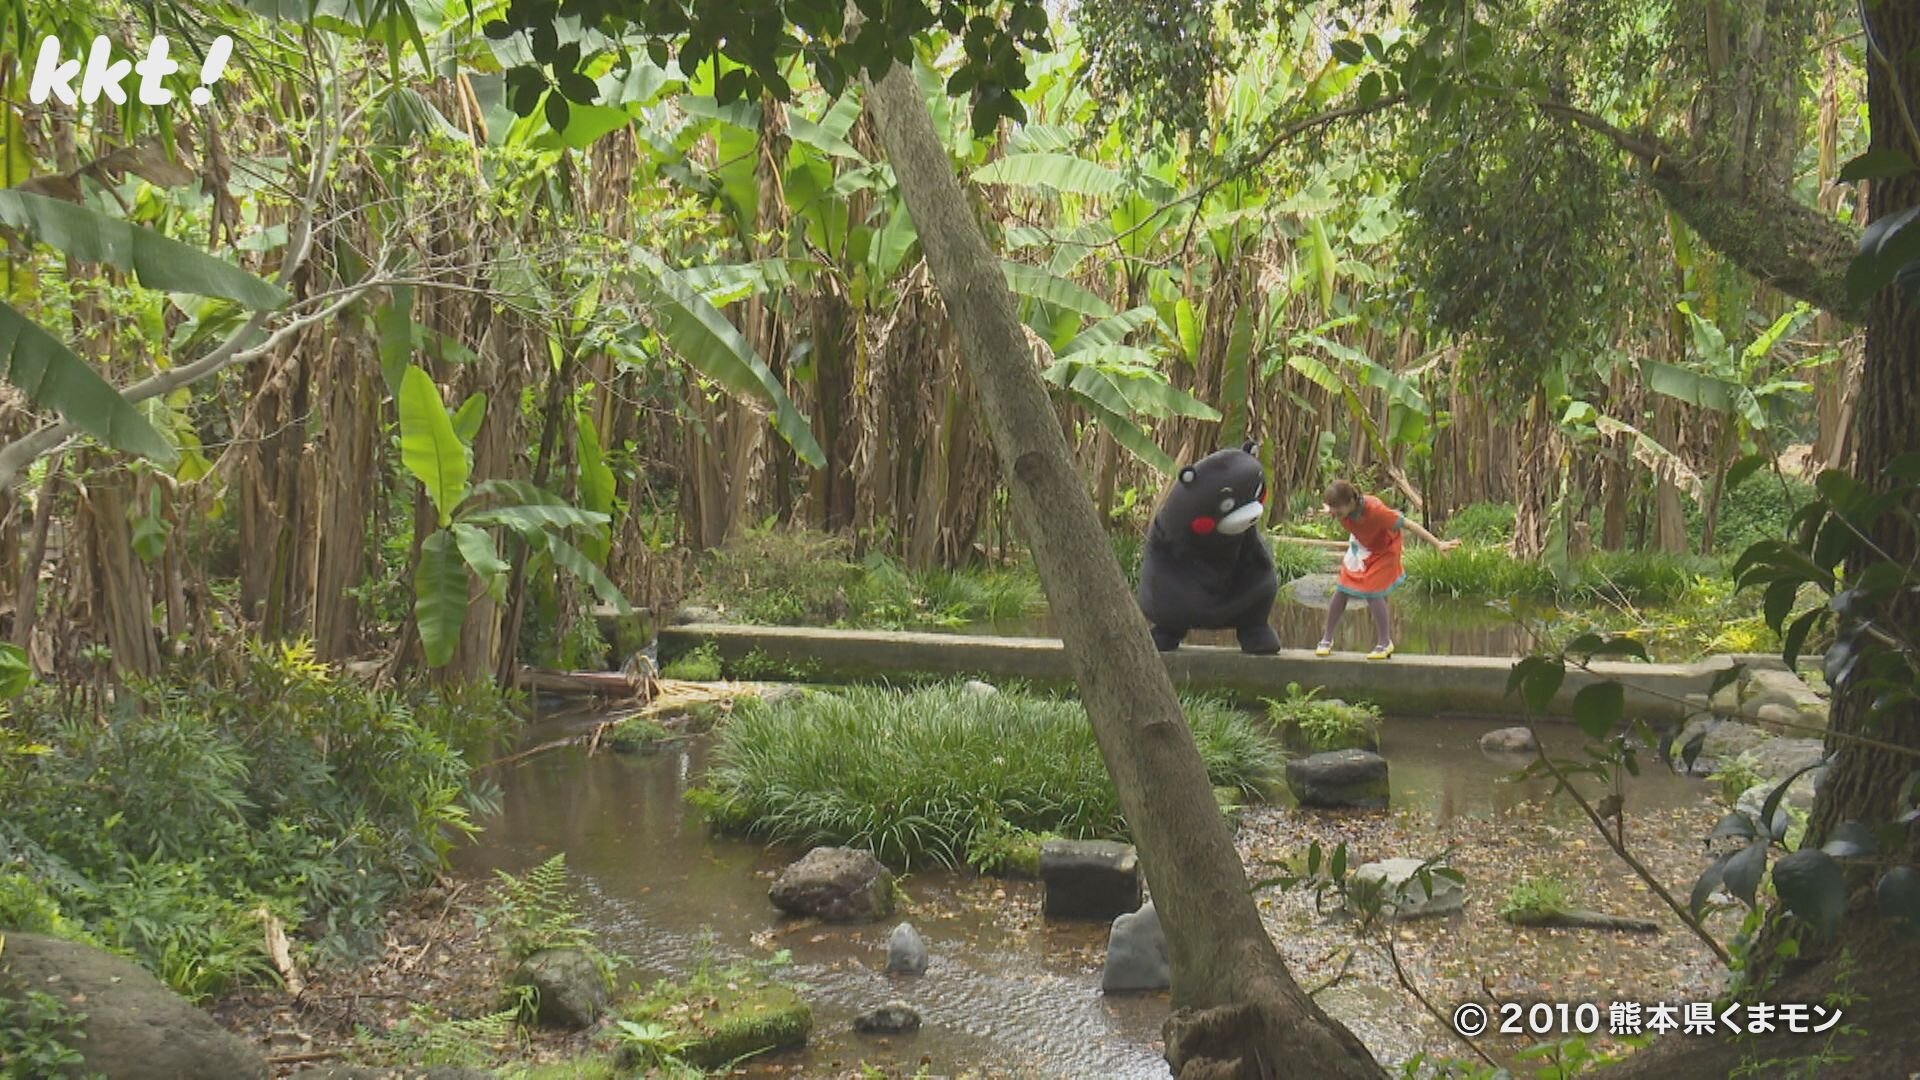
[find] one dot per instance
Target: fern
(474, 1042)
(536, 912)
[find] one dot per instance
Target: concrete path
(1408, 684)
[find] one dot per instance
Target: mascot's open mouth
(1240, 520)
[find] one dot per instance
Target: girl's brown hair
(1341, 493)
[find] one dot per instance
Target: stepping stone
(1339, 779)
(1089, 879)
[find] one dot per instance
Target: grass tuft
(934, 774)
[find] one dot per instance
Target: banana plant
(1115, 383)
(48, 372)
(436, 447)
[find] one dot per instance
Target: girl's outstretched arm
(1413, 527)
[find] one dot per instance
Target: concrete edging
(1408, 684)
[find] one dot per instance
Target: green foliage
(1536, 896)
(635, 736)
(1482, 523)
(1734, 777)
(999, 848)
(799, 578)
(1328, 724)
(1631, 577)
(25, 904)
(1476, 571)
(1291, 560)
(37, 1036)
(166, 827)
(427, 1039)
(702, 664)
(1757, 508)
(916, 776)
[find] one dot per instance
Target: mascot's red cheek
(1203, 525)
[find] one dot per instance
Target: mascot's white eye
(1226, 505)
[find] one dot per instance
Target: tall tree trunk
(122, 596)
(1240, 1013)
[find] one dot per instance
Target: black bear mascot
(1206, 565)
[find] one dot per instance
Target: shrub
(537, 911)
(700, 665)
(1758, 509)
(1640, 577)
(166, 827)
(1325, 724)
(916, 775)
(1482, 523)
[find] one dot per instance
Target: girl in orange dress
(1371, 568)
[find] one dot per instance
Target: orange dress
(1372, 564)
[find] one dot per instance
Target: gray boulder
(1401, 893)
(1339, 779)
(835, 884)
(1089, 879)
(571, 990)
(1136, 954)
(1509, 740)
(893, 1018)
(135, 1028)
(694, 613)
(906, 951)
(1778, 759)
(1731, 739)
(976, 688)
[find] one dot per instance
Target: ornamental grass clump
(913, 776)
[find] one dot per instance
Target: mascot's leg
(1258, 638)
(1167, 638)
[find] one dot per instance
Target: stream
(1006, 994)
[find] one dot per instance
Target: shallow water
(1006, 994)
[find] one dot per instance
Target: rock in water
(1136, 954)
(135, 1028)
(1089, 879)
(1354, 779)
(1402, 895)
(893, 1018)
(906, 952)
(835, 884)
(572, 991)
(1510, 740)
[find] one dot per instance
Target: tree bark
(1239, 1012)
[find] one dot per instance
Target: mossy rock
(719, 1021)
(636, 736)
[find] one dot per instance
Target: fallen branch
(279, 952)
(1583, 920)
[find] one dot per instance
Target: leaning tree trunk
(1240, 1014)
(1869, 960)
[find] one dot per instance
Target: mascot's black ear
(1187, 474)
(1251, 446)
